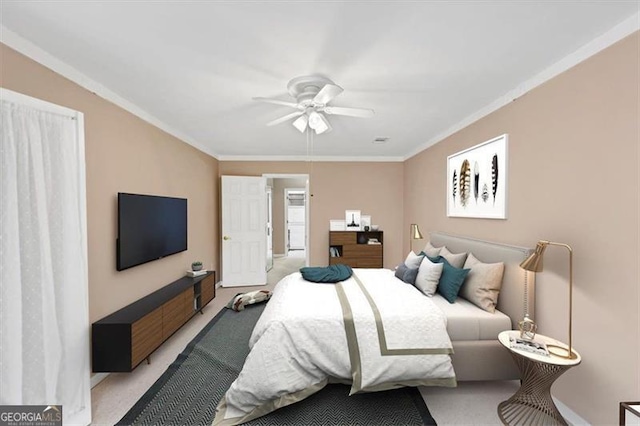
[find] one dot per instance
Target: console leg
(148, 360)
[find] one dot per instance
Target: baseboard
(219, 284)
(569, 415)
(279, 255)
(97, 378)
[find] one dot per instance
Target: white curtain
(44, 330)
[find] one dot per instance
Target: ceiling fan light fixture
(325, 128)
(318, 122)
(301, 123)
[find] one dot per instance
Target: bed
(481, 356)
(383, 334)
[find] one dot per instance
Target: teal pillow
(451, 279)
(432, 259)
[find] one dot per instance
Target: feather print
(494, 176)
(455, 186)
(465, 182)
(476, 181)
(485, 192)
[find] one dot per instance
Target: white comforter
(372, 330)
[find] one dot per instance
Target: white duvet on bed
(372, 330)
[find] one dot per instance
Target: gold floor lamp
(414, 234)
(534, 263)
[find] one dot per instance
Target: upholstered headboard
(512, 295)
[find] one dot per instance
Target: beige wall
(126, 154)
(373, 188)
(279, 185)
(573, 178)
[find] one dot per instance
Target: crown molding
(44, 58)
(615, 34)
(314, 159)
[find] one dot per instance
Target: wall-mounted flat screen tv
(149, 228)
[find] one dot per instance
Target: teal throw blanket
(329, 274)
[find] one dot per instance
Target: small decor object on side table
(527, 328)
(196, 266)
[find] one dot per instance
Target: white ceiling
(422, 66)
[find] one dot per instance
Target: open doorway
(289, 225)
(295, 221)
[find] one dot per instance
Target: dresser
(353, 248)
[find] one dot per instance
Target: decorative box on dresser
(353, 248)
(122, 340)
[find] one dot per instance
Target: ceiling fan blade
(351, 112)
(285, 118)
(327, 93)
(277, 102)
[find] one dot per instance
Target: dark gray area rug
(189, 391)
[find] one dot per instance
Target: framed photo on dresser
(352, 220)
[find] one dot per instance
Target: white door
(243, 231)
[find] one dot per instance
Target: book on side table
(196, 273)
(532, 346)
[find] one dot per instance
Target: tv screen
(149, 228)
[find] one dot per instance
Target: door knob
(226, 238)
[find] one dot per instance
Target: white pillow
(413, 260)
(455, 260)
(431, 250)
(428, 276)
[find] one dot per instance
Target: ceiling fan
(313, 94)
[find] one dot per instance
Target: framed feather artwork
(477, 180)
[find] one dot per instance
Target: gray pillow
(483, 283)
(456, 260)
(432, 251)
(406, 274)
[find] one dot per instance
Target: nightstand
(532, 403)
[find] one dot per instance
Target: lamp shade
(534, 262)
(415, 232)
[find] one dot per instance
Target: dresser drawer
(188, 306)
(363, 250)
(146, 336)
(369, 262)
(337, 238)
(208, 290)
(173, 315)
